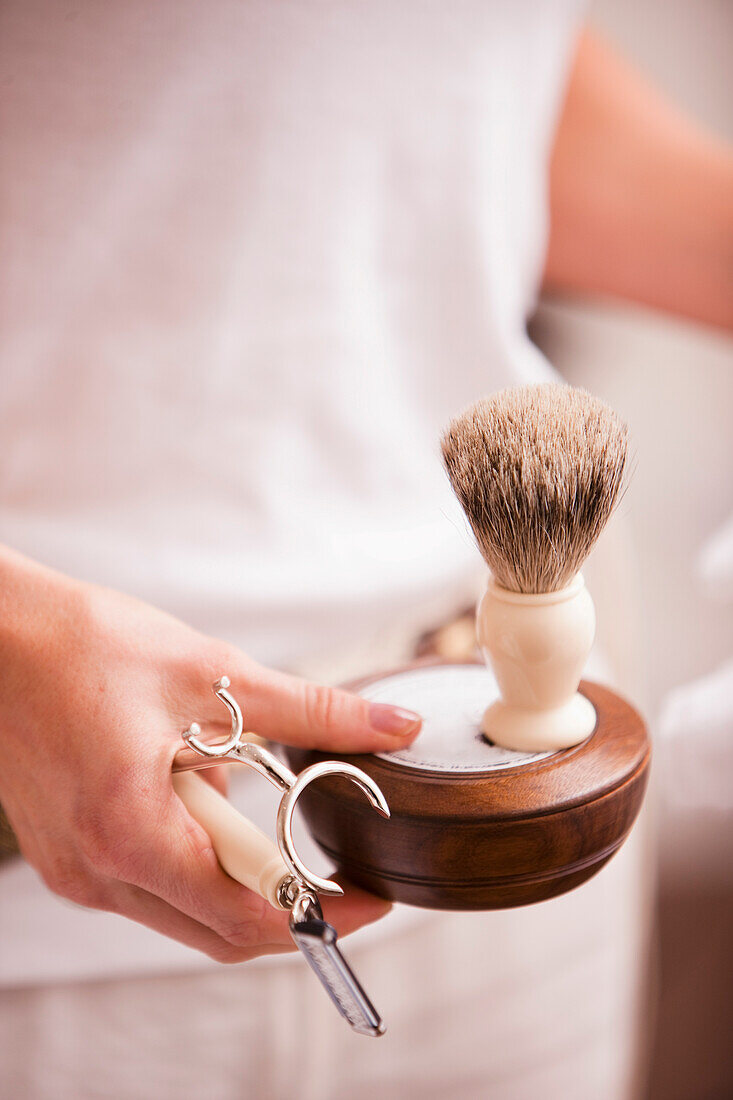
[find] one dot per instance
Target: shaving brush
(525, 779)
(538, 471)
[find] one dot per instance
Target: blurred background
(663, 588)
(673, 382)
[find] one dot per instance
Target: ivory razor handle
(243, 850)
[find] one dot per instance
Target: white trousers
(542, 1002)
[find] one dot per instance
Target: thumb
(297, 712)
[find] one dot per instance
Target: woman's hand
(95, 688)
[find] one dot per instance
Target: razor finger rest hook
(245, 852)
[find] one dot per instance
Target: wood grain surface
(492, 839)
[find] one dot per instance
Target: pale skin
(641, 197)
(95, 687)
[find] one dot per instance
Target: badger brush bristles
(538, 471)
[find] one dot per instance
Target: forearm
(641, 199)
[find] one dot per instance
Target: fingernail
(395, 720)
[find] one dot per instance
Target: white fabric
(695, 762)
(255, 255)
(715, 566)
(695, 753)
(524, 1004)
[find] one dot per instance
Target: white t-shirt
(255, 256)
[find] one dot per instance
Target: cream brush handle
(537, 646)
(244, 852)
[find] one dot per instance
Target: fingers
(355, 909)
(159, 868)
(296, 712)
(179, 866)
(347, 914)
(228, 922)
(145, 908)
(172, 858)
(176, 862)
